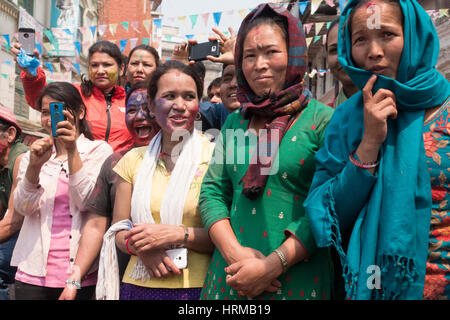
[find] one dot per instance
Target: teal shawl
(390, 232)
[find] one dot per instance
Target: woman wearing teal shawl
(383, 197)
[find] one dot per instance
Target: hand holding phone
(199, 52)
(27, 40)
(56, 114)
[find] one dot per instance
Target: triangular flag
(328, 24)
(8, 41)
(135, 25)
(77, 46)
(307, 27)
(318, 27)
(145, 41)
(316, 38)
(5, 75)
(49, 66)
(302, 6)
(189, 36)
(68, 31)
(342, 4)
(123, 44)
(182, 20)
(93, 30)
(315, 4)
(308, 41)
(101, 30)
(205, 17)
(56, 66)
(125, 25)
(168, 38)
(49, 36)
(443, 12)
(67, 66)
(158, 23)
(39, 48)
(193, 18)
(243, 13)
(147, 25)
(133, 42)
(113, 28)
(217, 17)
(77, 67)
(330, 3)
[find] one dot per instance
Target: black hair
(65, 92)
(215, 83)
(199, 67)
(265, 18)
(332, 24)
(105, 47)
(147, 48)
(152, 87)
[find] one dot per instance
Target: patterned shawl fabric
(281, 107)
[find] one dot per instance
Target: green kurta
(265, 223)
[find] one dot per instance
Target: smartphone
(27, 40)
(179, 257)
(56, 114)
(199, 51)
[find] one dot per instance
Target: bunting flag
(302, 6)
(125, 25)
(133, 42)
(308, 41)
(182, 20)
(101, 30)
(135, 26)
(189, 36)
(243, 13)
(145, 41)
(78, 46)
(315, 4)
(316, 38)
(5, 75)
(123, 44)
(113, 28)
(193, 19)
(330, 3)
(49, 66)
(56, 67)
(307, 27)
(8, 41)
(217, 16)
(318, 27)
(205, 17)
(77, 67)
(158, 23)
(68, 31)
(93, 30)
(39, 48)
(147, 25)
(342, 4)
(443, 12)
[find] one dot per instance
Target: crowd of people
(147, 192)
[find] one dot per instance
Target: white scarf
(171, 211)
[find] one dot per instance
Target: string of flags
(89, 33)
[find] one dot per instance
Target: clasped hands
(150, 241)
(251, 273)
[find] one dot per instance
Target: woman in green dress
(251, 200)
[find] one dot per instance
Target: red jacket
(96, 111)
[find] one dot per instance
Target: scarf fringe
(400, 268)
(139, 272)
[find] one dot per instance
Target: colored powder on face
(3, 143)
(113, 76)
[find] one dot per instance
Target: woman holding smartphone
(54, 179)
(102, 95)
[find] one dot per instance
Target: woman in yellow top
(156, 210)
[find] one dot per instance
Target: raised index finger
(367, 90)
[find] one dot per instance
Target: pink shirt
(58, 261)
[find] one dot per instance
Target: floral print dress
(436, 137)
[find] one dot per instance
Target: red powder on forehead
(371, 3)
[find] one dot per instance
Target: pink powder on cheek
(3, 145)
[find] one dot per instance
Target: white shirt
(36, 202)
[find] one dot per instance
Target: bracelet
(363, 165)
(128, 249)
(283, 260)
(74, 283)
(186, 236)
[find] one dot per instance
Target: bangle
(186, 236)
(74, 283)
(283, 260)
(128, 249)
(363, 165)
